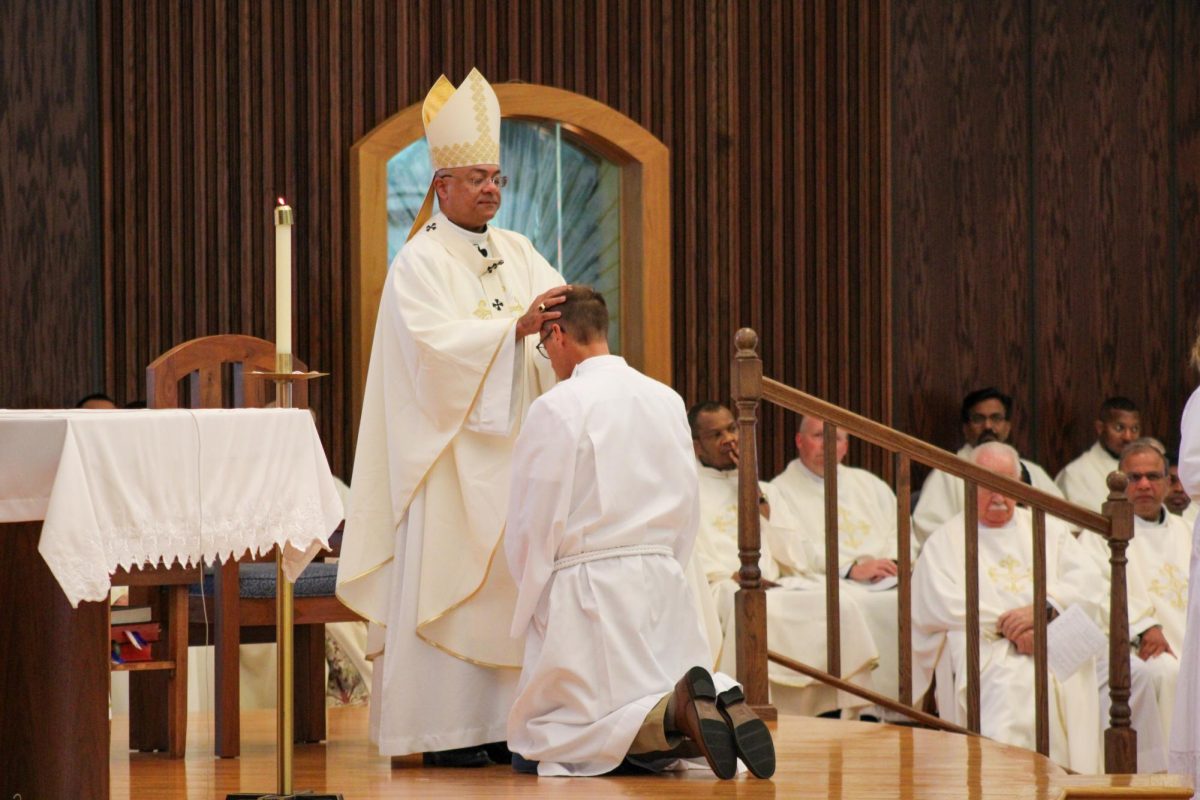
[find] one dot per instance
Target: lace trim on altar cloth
(187, 540)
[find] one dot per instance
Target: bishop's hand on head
(541, 311)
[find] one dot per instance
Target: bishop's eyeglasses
(477, 182)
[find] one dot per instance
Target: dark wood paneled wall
(50, 308)
(1045, 174)
(773, 113)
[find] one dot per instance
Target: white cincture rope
(613, 552)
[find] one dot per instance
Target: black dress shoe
(750, 735)
(460, 757)
(499, 753)
(696, 717)
(523, 766)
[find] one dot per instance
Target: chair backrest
(201, 362)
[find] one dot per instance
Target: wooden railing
(1115, 524)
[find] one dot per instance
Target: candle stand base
(284, 377)
(276, 796)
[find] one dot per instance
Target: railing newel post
(750, 602)
(1120, 739)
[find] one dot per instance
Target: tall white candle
(283, 277)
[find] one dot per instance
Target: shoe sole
(755, 747)
(751, 738)
(716, 740)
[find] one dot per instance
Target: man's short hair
(1117, 403)
(1146, 445)
(584, 314)
(94, 396)
(999, 448)
(988, 393)
(703, 407)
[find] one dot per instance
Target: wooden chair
(238, 602)
(158, 688)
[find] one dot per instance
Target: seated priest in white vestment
(1156, 588)
(867, 543)
(986, 417)
(796, 619)
(453, 370)
(1006, 622)
(1084, 481)
(602, 520)
(1178, 502)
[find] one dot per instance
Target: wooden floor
(818, 758)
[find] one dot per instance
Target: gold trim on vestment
(1059, 698)
(360, 576)
(930, 686)
(461, 425)
(509, 330)
(417, 487)
(367, 572)
(486, 572)
(435, 100)
(871, 664)
(461, 657)
(423, 214)
(474, 400)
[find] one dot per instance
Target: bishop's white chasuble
(447, 388)
(1006, 677)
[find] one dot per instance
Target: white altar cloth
(120, 488)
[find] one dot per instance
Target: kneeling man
(602, 519)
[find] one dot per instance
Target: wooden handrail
(867, 694)
(1115, 524)
(896, 442)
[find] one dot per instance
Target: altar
(83, 493)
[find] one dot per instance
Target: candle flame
(282, 202)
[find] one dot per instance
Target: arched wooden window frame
(644, 163)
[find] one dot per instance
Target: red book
(147, 631)
(129, 652)
(123, 653)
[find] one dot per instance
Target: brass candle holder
(285, 725)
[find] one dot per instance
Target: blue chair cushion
(257, 581)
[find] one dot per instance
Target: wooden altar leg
(309, 683)
(54, 732)
(227, 637)
(148, 690)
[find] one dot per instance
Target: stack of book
(131, 634)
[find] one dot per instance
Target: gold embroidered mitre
(462, 127)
